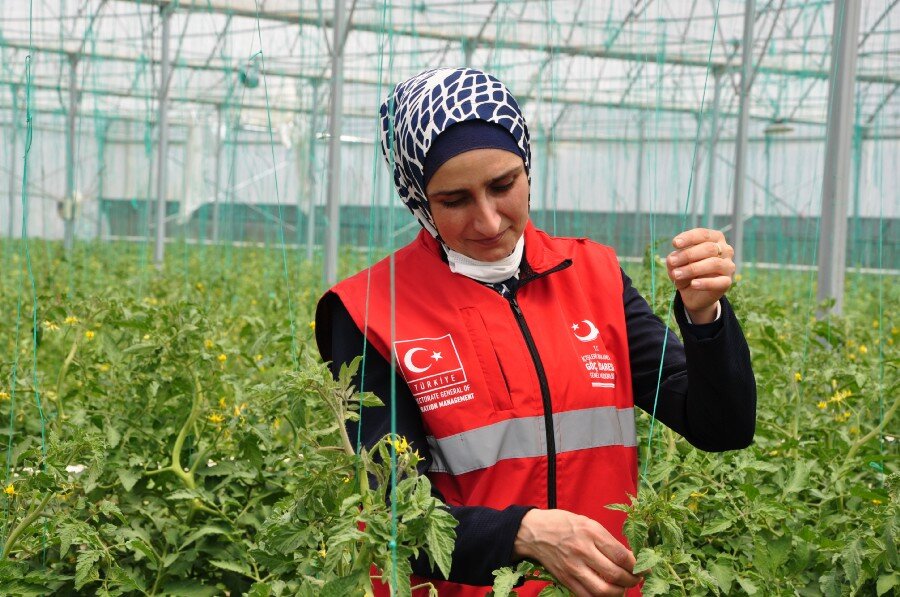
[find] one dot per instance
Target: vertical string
(684, 219)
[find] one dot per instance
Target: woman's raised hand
(578, 551)
(701, 267)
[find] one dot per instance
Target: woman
(519, 356)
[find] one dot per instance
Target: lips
(491, 241)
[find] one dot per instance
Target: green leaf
(747, 585)
(127, 478)
(440, 537)
(554, 591)
(112, 434)
(655, 586)
(86, 568)
(504, 581)
(240, 568)
(348, 585)
(186, 588)
(203, 532)
(723, 575)
(646, 559)
(799, 478)
(717, 526)
(886, 582)
(140, 546)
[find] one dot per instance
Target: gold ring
(719, 247)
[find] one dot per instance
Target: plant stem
(186, 477)
(24, 524)
(874, 432)
(62, 376)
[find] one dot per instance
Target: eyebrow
(496, 179)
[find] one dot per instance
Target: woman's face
(479, 202)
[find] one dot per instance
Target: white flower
(211, 463)
(889, 438)
(75, 469)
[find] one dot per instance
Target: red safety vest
(525, 401)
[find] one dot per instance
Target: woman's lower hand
(701, 267)
(578, 551)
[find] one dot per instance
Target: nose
(486, 218)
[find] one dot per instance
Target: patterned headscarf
(423, 107)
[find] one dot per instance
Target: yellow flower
(400, 445)
(146, 337)
(841, 418)
(822, 405)
(276, 423)
(875, 323)
(322, 553)
(4, 396)
(863, 349)
(854, 430)
(258, 358)
(222, 357)
(199, 286)
(895, 330)
(10, 490)
(222, 402)
(208, 343)
(840, 396)
(773, 453)
(738, 277)
(89, 335)
(216, 419)
(346, 479)
(104, 367)
(71, 320)
(798, 377)
(875, 501)
(239, 409)
(50, 326)
(312, 325)
(851, 356)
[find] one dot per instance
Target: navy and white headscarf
(423, 107)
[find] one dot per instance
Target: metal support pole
(468, 48)
(838, 150)
(218, 182)
(332, 235)
(101, 178)
(639, 188)
(68, 202)
(856, 252)
(711, 150)
(740, 144)
(13, 148)
(311, 175)
(163, 124)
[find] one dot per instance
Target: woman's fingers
(578, 551)
(711, 267)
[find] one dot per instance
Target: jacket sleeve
(484, 536)
(706, 388)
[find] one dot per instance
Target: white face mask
(490, 272)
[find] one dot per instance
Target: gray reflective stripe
(524, 437)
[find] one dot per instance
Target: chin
(490, 254)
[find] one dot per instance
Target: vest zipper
(542, 379)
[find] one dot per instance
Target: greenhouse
(183, 181)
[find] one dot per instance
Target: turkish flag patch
(429, 364)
